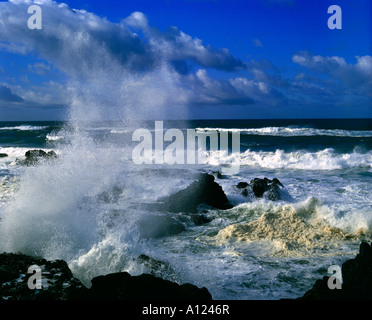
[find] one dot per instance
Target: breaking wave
(327, 159)
(24, 128)
(290, 132)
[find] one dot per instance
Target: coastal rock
(356, 276)
(123, 286)
(273, 189)
(34, 156)
(203, 191)
(156, 267)
(58, 283)
(3, 155)
(57, 280)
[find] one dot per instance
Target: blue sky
(186, 59)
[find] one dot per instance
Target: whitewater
(90, 206)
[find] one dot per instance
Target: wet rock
(123, 286)
(203, 191)
(7, 273)
(356, 276)
(35, 156)
(157, 268)
(58, 283)
(259, 186)
(242, 185)
(272, 189)
(3, 155)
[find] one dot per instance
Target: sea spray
(63, 208)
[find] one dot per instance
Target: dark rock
(204, 191)
(7, 274)
(242, 185)
(34, 156)
(157, 268)
(58, 282)
(3, 155)
(273, 189)
(123, 286)
(259, 186)
(356, 276)
(219, 175)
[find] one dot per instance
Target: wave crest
(326, 159)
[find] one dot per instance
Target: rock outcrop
(123, 286)
(273, 189)
(203, 191)
(58, 283)
(35, 156)
(56, 279)
(356, 280)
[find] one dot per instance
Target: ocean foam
(326, 159)
(24, 128)
(290, 230)
(290, 132)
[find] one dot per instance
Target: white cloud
(356, 78)
(39, 68)
(114, 60)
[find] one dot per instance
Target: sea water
(87, 206)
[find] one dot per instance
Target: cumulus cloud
(134, 63)
(75, 41)
(89, 48)
(355, 77)
(176, 45)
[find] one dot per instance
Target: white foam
(326, 159)
(24, 128)
(53, 137)
(289, 131)
(14, 152)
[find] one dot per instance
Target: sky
(196, 59)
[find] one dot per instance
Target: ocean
(91, 206)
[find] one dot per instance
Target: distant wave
(24, 128)
(53, 137)
(293, 131)
(326, 159)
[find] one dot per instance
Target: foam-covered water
(293, 132)
(84, 207)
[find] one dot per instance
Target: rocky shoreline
(58, 283)
(356, 280)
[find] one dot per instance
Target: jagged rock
(156, 267)
(57, 280)
(204, 191)
(123, 286)
(259, 187)
(34, 156)
(356, 276)
(58, 283)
